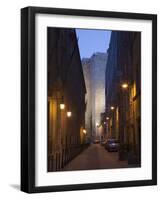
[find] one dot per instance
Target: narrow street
(95, 157)
(93, 97)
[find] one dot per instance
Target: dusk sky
(92, 41)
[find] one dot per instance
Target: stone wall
(65, 85)
(124, 66)
(94, 72)
(88, 114)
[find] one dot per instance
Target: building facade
(94, 73)
(66, 98)
(123, 93)
(88, 114)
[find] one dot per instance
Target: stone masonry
(94, 74)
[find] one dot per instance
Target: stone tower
(94, 74)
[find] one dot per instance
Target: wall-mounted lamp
(112, 107)
(62, 105)
(97, 124)
(124, 85)
(69, 114)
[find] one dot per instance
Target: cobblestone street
(95, 157)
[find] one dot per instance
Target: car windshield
(112, 141)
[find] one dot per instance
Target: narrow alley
(95, 157)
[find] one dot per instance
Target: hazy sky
(92, 41)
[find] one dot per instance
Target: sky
(92, 41)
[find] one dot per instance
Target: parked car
(96, 141)
(112, 145)
(103, 142)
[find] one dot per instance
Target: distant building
(66, 98)
(123, 93)
(88, 114)
(94, 73)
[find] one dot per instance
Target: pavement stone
(95, 157)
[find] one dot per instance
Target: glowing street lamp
(124, 85)
(112, 107)
(84, 131)
(107, 118)
(62, 106)
(69, 114)
(97, 124)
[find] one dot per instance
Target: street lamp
(69, 114)
(97, 124)
(62, 105)
(84, 131)
(112, 107)
(124, 85)
(107, 118)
